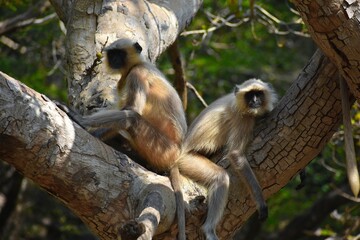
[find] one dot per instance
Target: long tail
(180, 207)
(352, 170)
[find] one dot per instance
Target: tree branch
(155, 25)
(23, 19)
(100, 185)
(94, 180)
(334, 26)
(180, 80)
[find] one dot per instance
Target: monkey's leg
(215, 178)
(302, 175)
(111, 119)
(180, 207)
(242, 167)
(154, 146)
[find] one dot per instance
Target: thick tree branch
(103, 187)
(155, 25)
(334, 26)
(95, 181)
(62, 8)
(179, 80)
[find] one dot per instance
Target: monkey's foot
(131, 230)
(302, 183)
(263, 212)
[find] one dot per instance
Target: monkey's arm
(243, 169)
(137, 92)
(108, 119)
(104, 124)
(76, 117)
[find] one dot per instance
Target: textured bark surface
(334, 26)
(93, 25)
(103, 187)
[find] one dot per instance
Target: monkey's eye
(254, 99)
(116, 58)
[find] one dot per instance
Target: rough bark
(104, 188)
(93, 25)
(334, 26)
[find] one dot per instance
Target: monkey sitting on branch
(227, 124)
(152, 119)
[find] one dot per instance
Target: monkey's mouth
(255, 105)
(255, 111)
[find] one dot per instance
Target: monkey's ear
(137, 47)
(236, 89)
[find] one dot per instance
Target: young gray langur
(227, 125)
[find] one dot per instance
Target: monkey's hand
(263, 212)
(302, 183)
(73, 115)
(132, 230)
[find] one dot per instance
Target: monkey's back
(206, 134)
(163, 107)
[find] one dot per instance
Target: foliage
(217, 60)
(34, 55)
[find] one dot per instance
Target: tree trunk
(106, 189)
(334, 26)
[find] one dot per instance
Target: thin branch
(192, 88)
(177, 63)
(261, 16)
(25, 18)
(12, 44)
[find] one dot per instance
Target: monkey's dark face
(123, 54)
(117, 58)
(255, 99)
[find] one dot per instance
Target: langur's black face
(116, 58)
(255, 98)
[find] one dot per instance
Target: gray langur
(227, 125)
